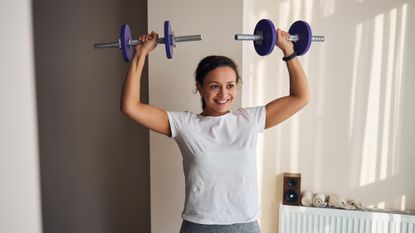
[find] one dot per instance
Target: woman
(218, 146)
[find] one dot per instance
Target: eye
(230, 86)
(214, 86)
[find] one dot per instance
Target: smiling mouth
(222, 101)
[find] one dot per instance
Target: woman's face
(219, 90)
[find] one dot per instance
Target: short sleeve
(176, 120)
(258, 114)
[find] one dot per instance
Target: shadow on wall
(93, 160)
(354, 138)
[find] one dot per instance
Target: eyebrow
(219, 82)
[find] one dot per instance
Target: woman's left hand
(283, 43)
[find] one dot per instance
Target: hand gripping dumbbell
(265, 37)
(126, 44)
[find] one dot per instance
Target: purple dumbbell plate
(303, 30)
(125, 36)
(168, 40)
(266, 28)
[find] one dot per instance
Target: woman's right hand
(149, 42)
(131, 105)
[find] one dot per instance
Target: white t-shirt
(219, 162)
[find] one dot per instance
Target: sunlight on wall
(371, 131)
(328, 7)
(284, 13)
(309, 5)
(265, 15)
(279, 144)
(381, 133)
(288, 10)
(388, 96)
(353, 99)
(296, 8)
(294, 144)
(398, 82)
(260, 86)
(368, 81)
(381, 205)
(403, 202)
(257, 83)
(260, 164)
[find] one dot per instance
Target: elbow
(126, 108)
(305, 100)
(123, 108)
(304, 97)
(302, 101)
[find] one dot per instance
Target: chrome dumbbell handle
(159, 41)
(188, 38)
(293, 38)
(107, 45)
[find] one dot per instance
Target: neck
(209, 112)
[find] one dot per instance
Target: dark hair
(210, 63)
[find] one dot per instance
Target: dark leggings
(191, 227)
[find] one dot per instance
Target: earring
(194, 91)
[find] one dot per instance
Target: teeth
(222, 101)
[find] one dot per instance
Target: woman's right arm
(148, 116)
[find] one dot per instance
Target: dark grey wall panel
(94, 161)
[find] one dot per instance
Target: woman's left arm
(282, 108)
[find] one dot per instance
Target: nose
(222, 91)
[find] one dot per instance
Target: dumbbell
(265, 37)
(126, 44)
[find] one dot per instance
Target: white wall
(172, 82)
(19, 172)
(356, 136)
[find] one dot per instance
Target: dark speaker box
(291, 193)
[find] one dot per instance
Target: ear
(199, 88)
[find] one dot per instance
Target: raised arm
(149, 116)
(282, 108)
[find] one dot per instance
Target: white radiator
(299, 219)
